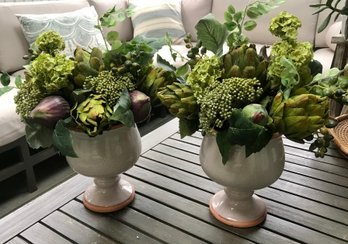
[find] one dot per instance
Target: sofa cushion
(261, 34)
(155, 18)
(77, 28)
(192, 11)
(13, 44)
(124, 28)
(11, 126)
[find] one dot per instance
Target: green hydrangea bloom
(300, 54)
(285, 26)
(49, 42)
(206, 72)
(51, 73)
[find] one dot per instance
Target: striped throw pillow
(155, 18)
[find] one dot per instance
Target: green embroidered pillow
(77, 28)
(155, 18)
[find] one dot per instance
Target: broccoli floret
(109, 85)
(206, 71)
(218, 102)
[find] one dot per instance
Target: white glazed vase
(105, 157)
(237, 205)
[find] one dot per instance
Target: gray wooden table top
(308, 204)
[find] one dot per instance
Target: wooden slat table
(308, 204)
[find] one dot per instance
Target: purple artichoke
(50, 110)
(141, 106)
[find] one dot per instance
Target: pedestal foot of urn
(108, 195)
(238, 209)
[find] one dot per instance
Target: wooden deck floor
(308, 204)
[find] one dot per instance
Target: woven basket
(340, 133)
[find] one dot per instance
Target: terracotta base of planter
(243, 211)
(110, 197)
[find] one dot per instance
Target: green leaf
(5, 79)
(188, 127)
(112, 36)
(212, 34)
(325, 23)
(242, 132)
(249, 25)
(252, 12)
(18, 81)
(62, 140)
(37, 135)
(161, 62)
(228, 17)
(122, 110)
(183, 70)
(5, 89)
(231, 25)
(231, 9)
(238, 16)
(116, 44)
(223, 145)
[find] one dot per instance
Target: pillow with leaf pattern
(76, 27)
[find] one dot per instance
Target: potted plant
(243, 102)
(87, 106)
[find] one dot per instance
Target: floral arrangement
(92, 91)
(244, 97)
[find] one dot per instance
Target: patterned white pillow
(155, 18)
(77, 28)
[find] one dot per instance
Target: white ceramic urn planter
(105, 157)
(237, 205)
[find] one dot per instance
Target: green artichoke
(244, 62)
(92, 115)
(299, 116)
(179, 100)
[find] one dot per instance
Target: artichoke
(154, 81)
(244, 62)
(141, 106)
(92, 115)
(299, 116)
(50, 110)
(179, 100)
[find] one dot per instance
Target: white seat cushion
(11, 126)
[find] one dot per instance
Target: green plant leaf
(253, 12)
(212, 34)
(231, 9)
(183, 70)
(238, 16)
(5, 89)
(249, 25)
(37, 135)
(161, 62)
(122, 110)
(18, 81)
(325, 22)
(243, 132)
(187, 127)
(62, 140)
(112, 36)
(224, 146)
(5, 79)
